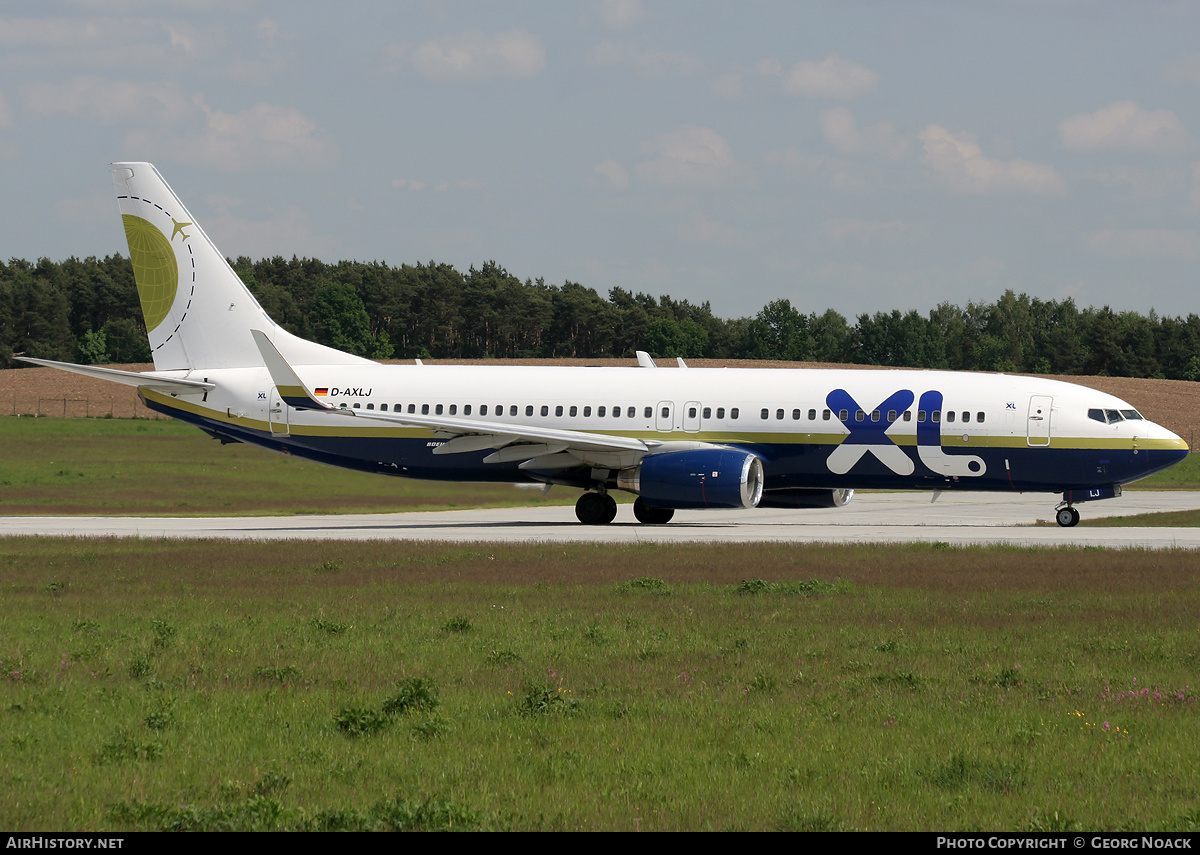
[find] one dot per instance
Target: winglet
(291, 388)
(645, 360)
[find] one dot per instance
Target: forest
(87, 311)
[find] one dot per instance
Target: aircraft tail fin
(198, 312)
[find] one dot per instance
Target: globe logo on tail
(154, 269)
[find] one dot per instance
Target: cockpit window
(1111, 417)
(1133, 415)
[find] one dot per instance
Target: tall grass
(152, 684)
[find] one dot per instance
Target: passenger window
(891, 415)
(691, 412)
(483, 409)
(529, 409)
(795, 415)
(920, 416)
(812, 415)
(859, 415)
(825, 414)
(574, 412)
(708, 412)
(412, 408)
(438, 410)
(843, 415)
(935, 416)
(908, 415)
(383, 407)
(648, 413)
(720, 412)
(600, 411)
(979, 417)
(424, 409)
(558, 411)
(466, 409)
(370, 406)
(587, 412)
(632, 412)
(966, 416)
(616, 412)
(765, 413)
(666, 412)
(874, 415)
(779, 414)
(512, 409)
(454, 409)
(357, 405)
(733, 414)
(545, 410)
(950, 416)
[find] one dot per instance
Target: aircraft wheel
(593, 509)
(1067, 517)
(651, 516)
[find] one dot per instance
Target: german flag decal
(324, 390)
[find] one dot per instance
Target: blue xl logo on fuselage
(868, 435)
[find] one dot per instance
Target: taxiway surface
(962, 519)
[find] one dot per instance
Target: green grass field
(205, 685)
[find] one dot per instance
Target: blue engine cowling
(704, 478)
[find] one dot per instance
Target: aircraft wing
(148, 379)
(538, 447)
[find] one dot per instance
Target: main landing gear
(1067, 516)
(601, 509)
(596, 509)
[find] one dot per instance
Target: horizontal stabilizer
(144, 379)
(291, 389)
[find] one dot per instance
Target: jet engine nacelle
(801, 497)
(703, 478)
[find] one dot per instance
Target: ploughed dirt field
(47, 392)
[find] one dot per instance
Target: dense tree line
(87, 311)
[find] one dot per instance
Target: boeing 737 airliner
(677, 438)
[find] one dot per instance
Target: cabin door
(1038, 422)
(691, 416)
(665, 416)
(277, 414)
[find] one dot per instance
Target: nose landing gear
(1067, 516)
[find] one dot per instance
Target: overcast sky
(849, 155)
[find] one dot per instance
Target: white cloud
(842, 132)
(113, 101)
(409, 184)
(620, 14)
(614, 173)
(691, 156)
(263, 135)
(832, 77)
(648, 62)
(1159, 243)
(1125, 126)
(475, 55)
(959, 164)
